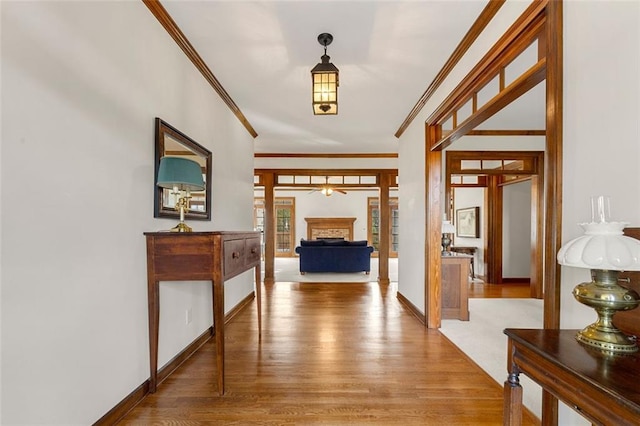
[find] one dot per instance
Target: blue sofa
(334, 255)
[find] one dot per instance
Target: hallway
(331, 354)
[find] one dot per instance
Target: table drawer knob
(235, 255)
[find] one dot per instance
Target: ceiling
(388, 53)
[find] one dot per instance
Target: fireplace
(330, 227)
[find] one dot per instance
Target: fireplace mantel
(330, 227)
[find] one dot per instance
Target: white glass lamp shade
(603, 246)
(447, 227)
(179, 172)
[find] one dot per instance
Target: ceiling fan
(327, 189)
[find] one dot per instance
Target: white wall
(516, 230)
(472, 197)
(412, 205)
(323, 163)
(81, 85)
(601, 133)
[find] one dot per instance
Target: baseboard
(412, 308)
(138, 394)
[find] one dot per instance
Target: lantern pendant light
(324, 78)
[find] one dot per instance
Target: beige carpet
(482, 338)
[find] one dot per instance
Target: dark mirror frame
(162, 130)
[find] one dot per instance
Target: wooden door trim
(529, 25)
(467, 41)
(533, 169)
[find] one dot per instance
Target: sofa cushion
(362, 243)
(335, 242)
(311, 243)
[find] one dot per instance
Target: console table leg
(218, 324)
(512, 415)
(259, 298)
(154, 319)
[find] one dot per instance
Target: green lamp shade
(181, 172)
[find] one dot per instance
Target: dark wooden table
(198, 256)
(603, 388)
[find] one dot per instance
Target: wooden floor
(330, 354)
(479, 289)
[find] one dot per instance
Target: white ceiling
(388, 53)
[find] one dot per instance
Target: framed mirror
(172, 142)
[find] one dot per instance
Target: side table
(601, 387)
(199, 256)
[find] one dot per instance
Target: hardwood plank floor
(330, 354)
(479, 289)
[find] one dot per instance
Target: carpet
(482, 338)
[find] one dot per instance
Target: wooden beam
(384, 230)
(325, 155)
(433, 212)
(178, 36)
(553, 163)
(326, 172)
(269, 229)
(506, 133)
(520, 86)
(515, 40)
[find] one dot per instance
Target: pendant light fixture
(324, 82)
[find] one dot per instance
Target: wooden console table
(471, 251)
(603, 388)
(455, 287)
(198, 256)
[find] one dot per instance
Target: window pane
(470, 165)
(491, 164)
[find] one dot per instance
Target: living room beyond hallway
(286, 270)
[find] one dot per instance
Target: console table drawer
(252, 250)
(233, 257)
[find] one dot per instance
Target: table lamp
(447, 228)
(182, 176)
(605, 251)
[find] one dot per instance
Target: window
(373, 221)
(285, 224)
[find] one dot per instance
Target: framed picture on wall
(468, 223)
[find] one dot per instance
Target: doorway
(496, 173)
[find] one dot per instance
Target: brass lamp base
(181, 227)
(182, 206)
(610, 341)
(606, 297)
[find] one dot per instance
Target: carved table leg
(512, 401)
